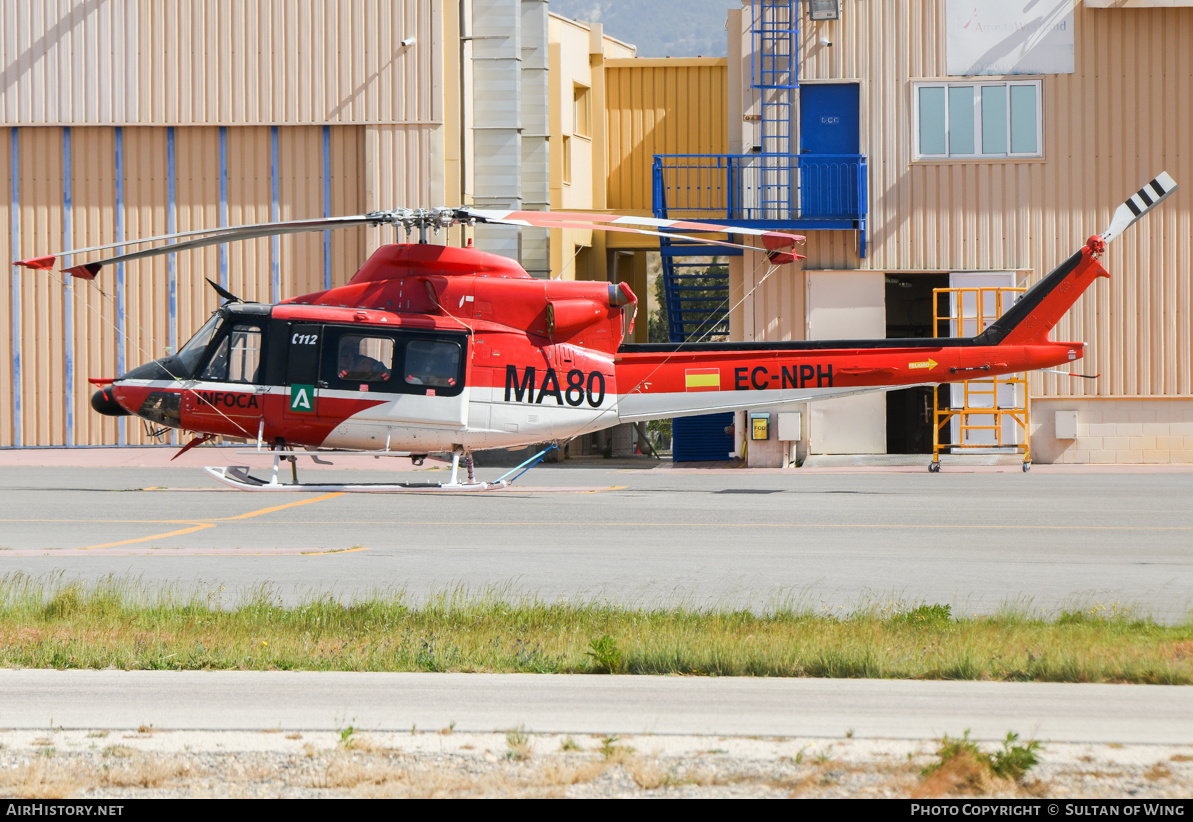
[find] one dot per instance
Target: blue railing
(807, 189)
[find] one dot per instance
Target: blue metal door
(829, 120)
(830, 143)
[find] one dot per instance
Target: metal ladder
(774, 72)
(982, 422)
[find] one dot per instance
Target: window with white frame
(977, 119)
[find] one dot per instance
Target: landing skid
(238, 477)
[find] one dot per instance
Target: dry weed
(517, 742)
(1157, 772)
(646, 773)
(1180, 650)
(558, 773)
(439, 784)
(146, 772)
(961, 775)
(795, 785)
(363, 743)
(345, 771)
(43, 780)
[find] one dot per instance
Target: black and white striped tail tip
(1140, 203)
(1151, 194)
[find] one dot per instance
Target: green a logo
(302, 398)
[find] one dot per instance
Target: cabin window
(365, 359)
(238, 358)
(432, 363)
(978, 120)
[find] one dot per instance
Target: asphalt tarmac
(636, 532)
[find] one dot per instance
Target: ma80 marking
(580, 388)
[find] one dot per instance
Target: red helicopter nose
(105, 403)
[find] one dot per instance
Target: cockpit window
(238, 358)
(193, 351)
(432, 363)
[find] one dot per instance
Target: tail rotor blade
(1140, 203)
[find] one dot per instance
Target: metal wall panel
(346, 195)
(89, 186)
(224, 62)
(198, 178)
(398, 173)
(535, 135)
(41, 337)
(300, 197)
(497, 118)
(660, 106)
(1108, 128)
(8, 285)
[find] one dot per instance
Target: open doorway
(909, 412)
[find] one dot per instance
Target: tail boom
(656, 381)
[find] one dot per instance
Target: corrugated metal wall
(227, 62)
(88, 186)
(660, 107)
(1108, 128)
(130, 118)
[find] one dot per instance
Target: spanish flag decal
(702, 379)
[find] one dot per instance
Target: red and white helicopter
(438, 349)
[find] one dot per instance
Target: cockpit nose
(104, 402)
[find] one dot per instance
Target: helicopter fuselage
(433, 348)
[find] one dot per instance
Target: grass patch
(54, 623)
(962, 768)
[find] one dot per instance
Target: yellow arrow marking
(928, 364)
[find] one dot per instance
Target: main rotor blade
(204, 237)
(585, 226)
(1140, 203)
(547, 219)
(775, 242)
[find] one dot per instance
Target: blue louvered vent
(701, 439)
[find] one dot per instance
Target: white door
(847, 305)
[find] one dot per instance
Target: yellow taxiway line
(198, 524)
